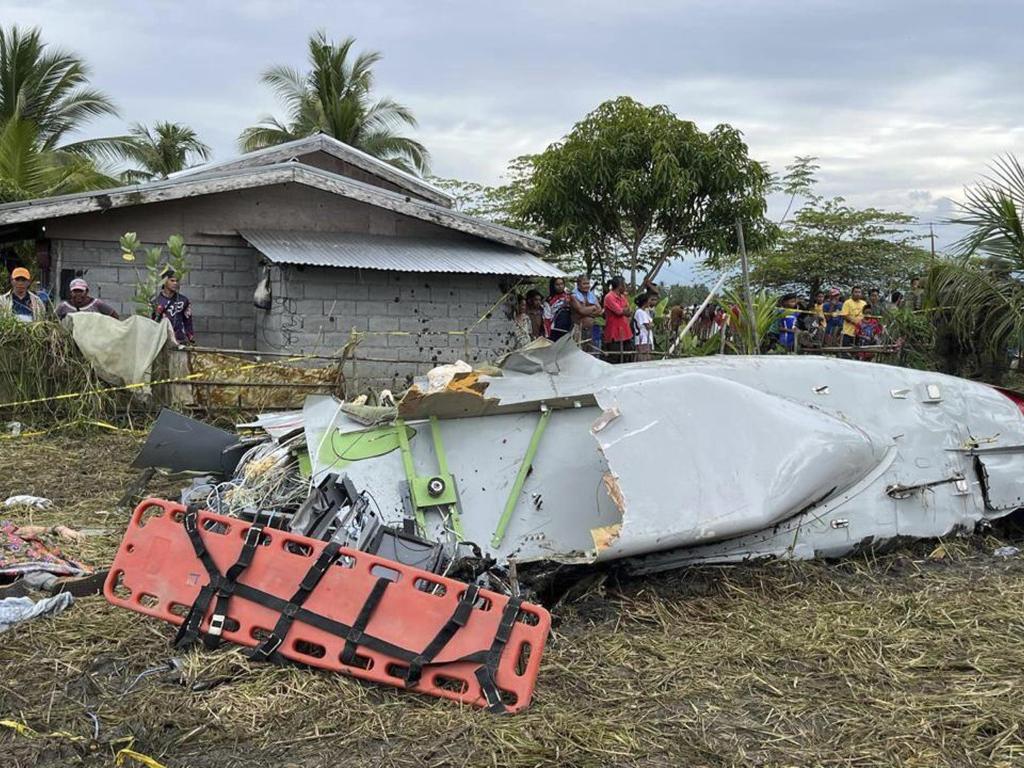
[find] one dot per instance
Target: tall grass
(39, 361)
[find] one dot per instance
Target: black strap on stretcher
(355, 635)
(267, 650)
(223, 586)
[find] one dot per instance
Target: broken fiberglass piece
(180, 444)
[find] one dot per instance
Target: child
(643, 326)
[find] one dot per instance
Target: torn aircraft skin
(559, 456)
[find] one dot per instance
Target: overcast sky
(903, 102)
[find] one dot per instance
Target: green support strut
(410, 473)
(517, 486)
(442, 468)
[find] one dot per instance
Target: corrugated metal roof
(397, 254)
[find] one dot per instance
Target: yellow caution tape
(77, 423)
(138, 385)
(138, 757)
(31, 733)
(119, 759)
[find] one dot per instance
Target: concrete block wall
(406, 318)
(220, 286)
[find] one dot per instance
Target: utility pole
(748, 298)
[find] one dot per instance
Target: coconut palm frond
(334, 98)
(992, 209)
(986, 309)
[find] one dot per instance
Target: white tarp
(121, 351)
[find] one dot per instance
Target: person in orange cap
(20, 301)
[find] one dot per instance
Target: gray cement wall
(220, 286)
(406, 318)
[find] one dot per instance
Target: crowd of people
(611, 326)
(832, 320)
(607, 325)
(28, 306)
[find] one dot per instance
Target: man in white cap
(81, 301)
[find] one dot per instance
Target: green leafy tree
(980, 290)
(164, 149)
(501, 204)
(831, 243)
(336, 97)
(687, 295)
(631, 186)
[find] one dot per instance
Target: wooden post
(748, 299)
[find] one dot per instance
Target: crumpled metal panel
(695, 459)
(561, 502)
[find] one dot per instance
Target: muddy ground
(912, 657)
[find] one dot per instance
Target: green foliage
(914, 332)
(691, 346)
(798, 181)
(163, 150)
(153, 263)
(49, 89)
(40, 360)
(28, 170)
(336, 97)
(630, 185)
(687, 295)
(748, 337)
(831, 243)
(979, 293)
(500, 204)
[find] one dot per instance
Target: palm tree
(335, 98)
(48, 87)
(163, 150)
(27, 171)
(981, 290)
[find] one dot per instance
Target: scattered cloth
(21, 554)
(14, 610)
(121, 351)
(24, 500)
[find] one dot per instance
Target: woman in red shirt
(618, 336)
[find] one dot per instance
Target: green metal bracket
(424, 489)
(410, 473)
(524, 470)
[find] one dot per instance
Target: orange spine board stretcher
(157, 572)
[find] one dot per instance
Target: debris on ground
(26, 549)
(880, 658)
(25, 500)
(1006, 551)
(14, 610)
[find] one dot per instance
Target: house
(349, 242)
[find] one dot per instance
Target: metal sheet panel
(696, 459)
(397, 254)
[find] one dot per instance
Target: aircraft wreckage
(404, 533)
(559, 456)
